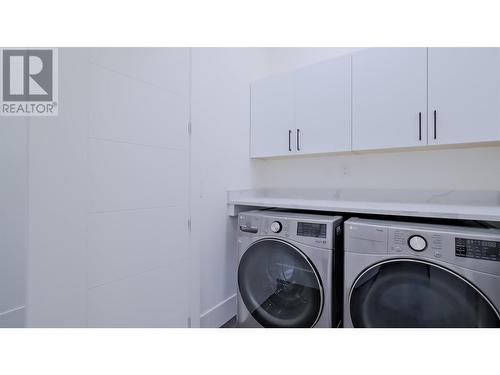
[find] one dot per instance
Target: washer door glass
(413, 293)
(279, 286)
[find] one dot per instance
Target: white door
(464, 95)
(389, 98)
(323, 107)
(109, 193)
(272, 128)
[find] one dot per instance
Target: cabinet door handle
(419, 126)
(290, 140)
(298, 139)
(435, 133)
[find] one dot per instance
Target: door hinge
(189, 322)
(189, 225)
(189, 128)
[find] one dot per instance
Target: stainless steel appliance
(290, 270)
(401, 274)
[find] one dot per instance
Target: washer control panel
(479, 249)
(417, 243)
(276, 227)
(413, 242)
(307, 229)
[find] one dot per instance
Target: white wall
(108, 193)
(220, 144)
(57, 203)
(460, 169)
(220, 162)
(455, 169)
(13, 207)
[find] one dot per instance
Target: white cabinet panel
(323, 107)
(156, 299)
(130, 110)
(464, 92)
(272, 116)
(107, 211)
(125, 243)
(125, 176)
(389, 91)
(166, 68)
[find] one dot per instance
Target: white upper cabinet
(306, 111)
(379, 98)
(272, 127)
(389, 98)
(464, 95)
(323, 107)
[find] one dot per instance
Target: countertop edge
(460, 212)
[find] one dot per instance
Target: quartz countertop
(450, 204)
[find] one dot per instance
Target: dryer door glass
(414, 293)
(279, 286)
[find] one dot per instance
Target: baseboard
(219, 314)
(14, 318)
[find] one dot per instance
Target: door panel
(272, 116)
(417, 294)
(94, 182)
(323, 106)
(464, 90)
(389, 89)
(279, 286)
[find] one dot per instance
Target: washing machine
(409, 275)
(289, 270)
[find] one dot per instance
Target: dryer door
(279, 285)
(415, 293)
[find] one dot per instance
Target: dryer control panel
(468, 247)
(479, 249)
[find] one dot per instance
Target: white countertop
(467, 205)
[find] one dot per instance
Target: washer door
(414, 293)
(279, 286)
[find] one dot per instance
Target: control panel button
(417, 243)
(276, 227)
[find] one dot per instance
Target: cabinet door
(389, 98)
(272, 129)
(464, 95)
(323, 107)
